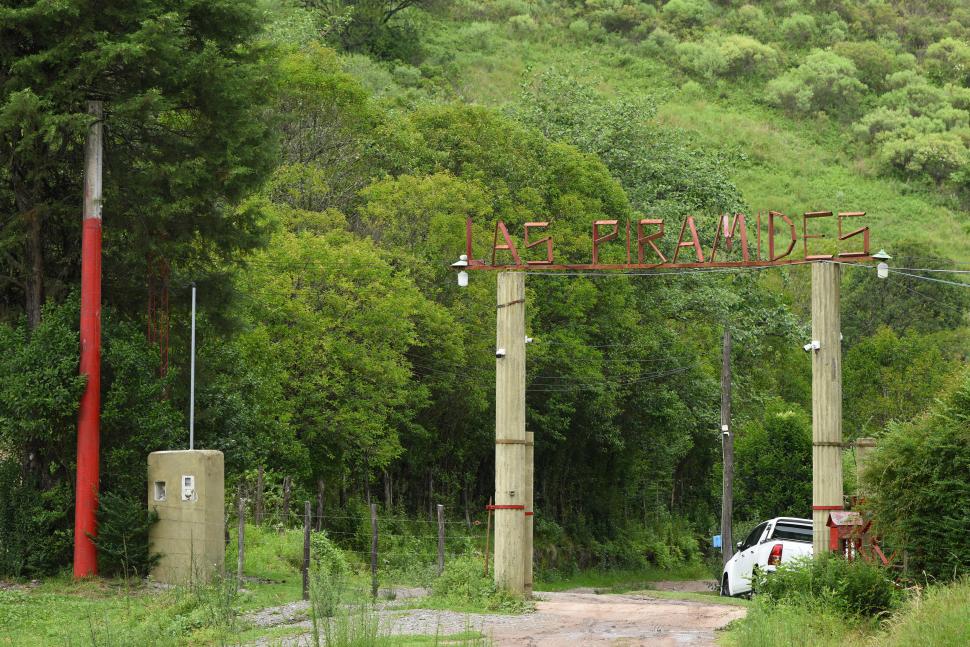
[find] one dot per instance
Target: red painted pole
(89, 413)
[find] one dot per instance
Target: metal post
(826, 401)
(727, 450)
(192, 379)
(441, 539)
(510, 437)
(307, 520)
(373, 550)
(89, 412)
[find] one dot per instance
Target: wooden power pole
(727, 451)
(510, 437)
(826, 401)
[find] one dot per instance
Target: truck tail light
(774, 559)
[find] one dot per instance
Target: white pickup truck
(768, 545)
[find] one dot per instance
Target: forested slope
(310, 167)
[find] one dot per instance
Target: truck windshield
(792, 532)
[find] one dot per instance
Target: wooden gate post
(510, 438)
(826, 401)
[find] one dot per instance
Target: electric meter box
(187, 490)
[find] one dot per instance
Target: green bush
(873, 61)
(464, 583)
(855, 588)
(328, 575)
(687, 13)
(824, 82)
(948, 61)
(122, 541)
(937, 156)
(918, 480)
(35, 535)
(799, 30)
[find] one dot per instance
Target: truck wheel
(725, 589)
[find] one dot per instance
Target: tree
(918, 485)
(773, 459)
(185, 139)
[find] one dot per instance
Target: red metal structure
(88, 419)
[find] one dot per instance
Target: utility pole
(89, 412)
(510, 436)
(192, 379)
(727, 451)
(826, 401)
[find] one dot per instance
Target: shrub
(701, 59)
(937, 156)
(918, 481)
(687, 13)
(855, 588)
(523, 23)
(873, 61)
(799, 30)
(743, 56)
(464, 583)
(328, 575)
(824, 82)
(748, 19)
(122, 541)
(948, 61)
(35, 536)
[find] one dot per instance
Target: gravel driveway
(572, 618)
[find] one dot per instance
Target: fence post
(240, 539)
(306, 550)
(441, 538)
(320, 493)
(258, 502)
(373, 550)
(285, 513)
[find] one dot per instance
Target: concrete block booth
(187, 490)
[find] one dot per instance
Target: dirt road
(578, 618)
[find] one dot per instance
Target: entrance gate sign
(642, 238)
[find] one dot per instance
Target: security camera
(500, 353)
(807, 347)
(812, 345)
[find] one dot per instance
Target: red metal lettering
(863, 230)
(771, 235)
(468, 244)
(507, 245)
(729, 236)
(529, 245)
(641, 239)
(597, 239)
(806, 235)
(694, 241)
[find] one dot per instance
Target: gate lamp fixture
(462, 275)
(882, 270)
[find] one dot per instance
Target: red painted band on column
(505, 507)
(826, 507)
(529, 513)
(88, 433)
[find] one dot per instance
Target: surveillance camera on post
(499, 353)
(813, 345)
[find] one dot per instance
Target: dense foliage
(919, 481)
(310, 167)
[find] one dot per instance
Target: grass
(936, 617)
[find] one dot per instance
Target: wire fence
(384, 542)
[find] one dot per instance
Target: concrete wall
(190, 533)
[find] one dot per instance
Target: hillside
(791, 162)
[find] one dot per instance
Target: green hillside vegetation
(310, 167)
